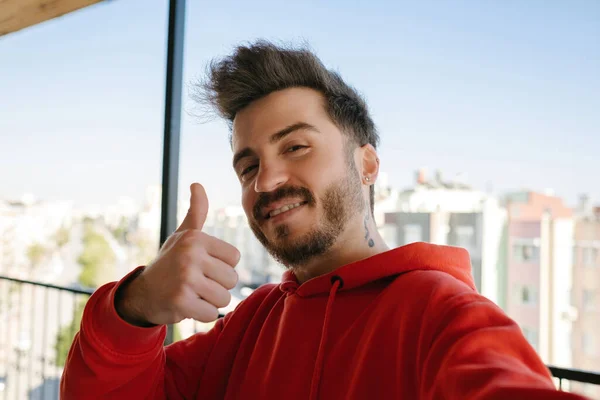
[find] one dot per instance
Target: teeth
(283, 209)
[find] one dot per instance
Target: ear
(369, 164)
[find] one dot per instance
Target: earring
(367, 178)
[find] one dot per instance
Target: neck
(360, 240)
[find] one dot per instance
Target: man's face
(300, 185)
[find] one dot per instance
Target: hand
(190, 278)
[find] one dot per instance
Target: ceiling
(20, 14)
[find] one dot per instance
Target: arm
(190, 278)
(112, 358)
(475, 351)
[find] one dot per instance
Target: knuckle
(186, 267)
(236, 255)
(179, 301)
(185, 273)
(185, 235)
(210, 314)
(170, 240)
(202, 286)
(185, 259)
(214, 315)
(207, 290)
(233, 280)
(223, 299)
(191, 236)
(226, 299)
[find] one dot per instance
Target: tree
(145, 248)
(61, 237)
(97, 261)
(66, 334)
(121, 231)
(36, 253)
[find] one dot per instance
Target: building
(585, 294)
(26, 223)
(539, 279)
(451, 213)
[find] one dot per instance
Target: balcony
(39, 320)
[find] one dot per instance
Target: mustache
(266, 198)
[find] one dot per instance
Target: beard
(341, 200)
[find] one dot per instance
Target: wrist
(129, 303)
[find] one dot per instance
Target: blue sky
(506, 92)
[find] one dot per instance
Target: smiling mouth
(285, 208)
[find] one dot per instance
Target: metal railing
(38, 320)
(574, 375)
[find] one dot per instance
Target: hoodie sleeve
(110, 358)
(475, 351)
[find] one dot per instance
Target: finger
(199, 309)
(221, 273)
(196, 215)
(222, 250)
(211, 291)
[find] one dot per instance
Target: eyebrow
(276, 137)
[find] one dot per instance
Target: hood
(412, 257)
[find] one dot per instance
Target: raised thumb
(196, 215)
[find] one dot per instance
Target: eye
(295, 148)
(247, 170)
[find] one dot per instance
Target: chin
(289, 232)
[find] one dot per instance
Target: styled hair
(254, 71)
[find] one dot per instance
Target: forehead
(258, 121)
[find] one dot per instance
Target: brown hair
(258, 69)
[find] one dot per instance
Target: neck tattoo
(369, 240)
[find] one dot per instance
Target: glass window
(80, 165)
(525, 294)
(526, 297)
(81, 125)
(526, 253)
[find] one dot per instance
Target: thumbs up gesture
(190, 278)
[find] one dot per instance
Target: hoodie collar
(416, 256)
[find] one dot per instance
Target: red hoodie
(404, 324)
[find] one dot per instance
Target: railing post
(173, 96)
(44, 342)
(58, 305)
(19, 329)
(19, 369)
(16, 318)
(6, 352)
(32, 338)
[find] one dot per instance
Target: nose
(270, 177)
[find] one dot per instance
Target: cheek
(248, 200)
(320, 175)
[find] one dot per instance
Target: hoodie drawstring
(337, 283)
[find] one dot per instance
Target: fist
(191, 276)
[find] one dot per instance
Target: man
(351, 318)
